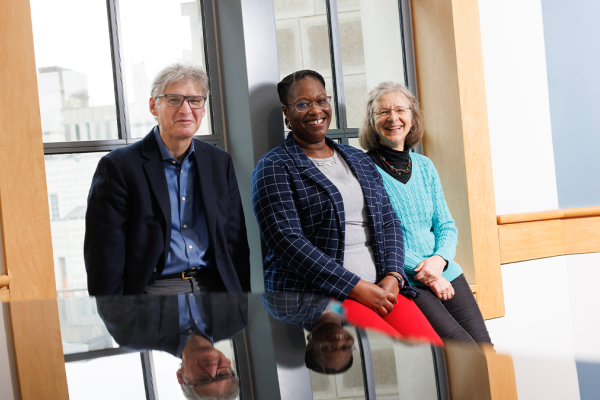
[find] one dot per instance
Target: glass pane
(402, 370)
(68, 178)
(354, 143)
(303, 40)
(371, 48)
(74, 70)
(349, 384)
(116, 377)
(175, 35)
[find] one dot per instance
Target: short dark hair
(312, 364)
(283, 87)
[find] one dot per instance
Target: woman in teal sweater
(392, 126)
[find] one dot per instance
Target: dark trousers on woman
(456, 319)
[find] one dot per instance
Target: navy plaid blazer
(301, 218)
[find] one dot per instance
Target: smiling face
(331, 345)
(392, 126)
(177, 124)
(309, 127)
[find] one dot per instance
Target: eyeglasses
(302, 106)
(204, 379)
(386, 112)
(176, 100)
(328, 348)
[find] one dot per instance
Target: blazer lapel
(155, 173)
(205, 176)
(310, 170)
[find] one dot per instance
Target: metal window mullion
(336, 63)
(367, 364)
(408, 49)
(211, 56)
(441, 376)
(112, 7)
(83, 146)
(148, 373)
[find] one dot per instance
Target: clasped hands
(429, 272)
(379, 297)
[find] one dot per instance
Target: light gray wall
(572, 40)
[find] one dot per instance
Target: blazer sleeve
(281, 228)
(106, 230)
(237, 239)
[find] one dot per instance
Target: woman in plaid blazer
(303, 215)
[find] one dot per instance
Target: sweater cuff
(446, 254)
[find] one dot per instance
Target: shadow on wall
(265, 106)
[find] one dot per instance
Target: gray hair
(180, 72)
(368, 137)
(231, 393)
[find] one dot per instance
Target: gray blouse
(358, 254)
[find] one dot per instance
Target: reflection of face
(392, 128)
(330, 335)
(178, 123)
(309, 126)
(199, 356)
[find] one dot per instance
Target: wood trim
(4, 295)
(449, 65)
(25, 217)
(501, 370)
(547, 215)
(4, 280)
(24, 211)
(555, 237)
(38, 350)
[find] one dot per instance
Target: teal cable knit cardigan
(427, 225)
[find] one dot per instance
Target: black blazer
(152, 322)
(128, 219)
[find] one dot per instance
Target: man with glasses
(164, 214)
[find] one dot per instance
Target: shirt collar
(166, 156)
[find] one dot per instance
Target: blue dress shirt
(189, 235)
(190, 320)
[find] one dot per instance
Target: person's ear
(285, 110)
(153, 109)
(180, 376)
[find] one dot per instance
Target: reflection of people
(205, 372)
(330, 346)
(185, 326)
(325, 216)
(392, 126)
(167, 208)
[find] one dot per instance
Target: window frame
(343, 133)
(121, 105)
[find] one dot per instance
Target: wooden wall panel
(4, 295)
(530, 240)
(451, 82)
(24, 214)
(581, 235)
(38, 350)
(549, 233)
(503, 382)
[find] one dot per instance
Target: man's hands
(430, 269)
(442, 288)
(377, 297)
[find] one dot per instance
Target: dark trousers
(206, 281)
(456, 319)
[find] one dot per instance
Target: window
(367, 44)
(54, 207)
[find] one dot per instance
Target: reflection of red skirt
(405, 321)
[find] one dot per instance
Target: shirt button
(193, 267)
(195, 321)
(155, 270)
(190, 246)
(183, 198)
(172, 162)
(181, 171)
(190, 331)
(184, 226)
